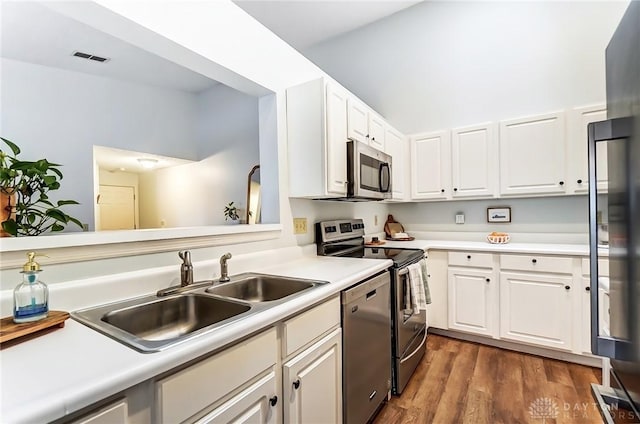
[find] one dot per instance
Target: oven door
(369, 171)
(407, 323)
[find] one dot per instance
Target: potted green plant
(231, 213)
(24, 188)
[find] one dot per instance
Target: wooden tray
(10, 331)
(403, 239)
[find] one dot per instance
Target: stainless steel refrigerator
(615, 295)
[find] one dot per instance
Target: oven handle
(424, 339)
(403, 271)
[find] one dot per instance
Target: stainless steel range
(344, 238)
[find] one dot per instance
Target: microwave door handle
(611, 129)
(384, 169)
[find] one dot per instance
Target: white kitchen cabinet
(578, 153)
(474, 161)
(473, 296)
(397, 146)
(532, 155)
(437, 275)
(258, 403)
(317, 137)
(194, 391)
(116, 412)
(365, 125)
(431, 166)
(312, 383)
(537, 308)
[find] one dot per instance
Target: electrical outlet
(460, 218)
(299, 225)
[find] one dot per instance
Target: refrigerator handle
(610, 129)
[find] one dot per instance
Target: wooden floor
(463, 382)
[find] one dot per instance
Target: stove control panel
(342, 229)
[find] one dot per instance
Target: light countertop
(531, 248)
(68, 369)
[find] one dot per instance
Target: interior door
(117, 207)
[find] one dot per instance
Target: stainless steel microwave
(368, 173)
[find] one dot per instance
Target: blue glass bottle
(31, 297)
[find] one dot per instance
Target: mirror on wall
(85, 99)
(253, 196)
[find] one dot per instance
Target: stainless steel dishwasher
(366, 347)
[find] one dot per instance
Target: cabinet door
(377, 128)
(532, 155)
(396, 146)
(474, 161)
(256, 404)
(473, 301)
(336, 143)
(358, 123)
(114, 413)
(312, 383)
(536, 308)
(430, 166)
(578, 155)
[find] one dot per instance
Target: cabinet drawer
(189, 391)
(603, 267)
(302, 329)
(538, 263)
(113, 413)
(474, 259)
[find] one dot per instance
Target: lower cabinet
(192, 394)
(116, 412)
(256, 404)
(437, 275)
(473, 301)
(537, 309)
(312, 383)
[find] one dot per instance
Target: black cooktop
(400, 257)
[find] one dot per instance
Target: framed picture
(499, 214)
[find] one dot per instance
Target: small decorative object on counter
(31, 297)
(498, 238)
(231, 213)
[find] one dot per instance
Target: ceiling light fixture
(148, 163)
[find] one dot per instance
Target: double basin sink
(153, 323)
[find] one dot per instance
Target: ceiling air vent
(90, 57)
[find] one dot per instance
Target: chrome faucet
(224, 270)
(186, 269)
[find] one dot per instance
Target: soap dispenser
(31, 297)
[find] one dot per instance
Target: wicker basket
(498, 239)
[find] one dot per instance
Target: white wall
(440, 65)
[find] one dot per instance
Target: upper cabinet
(321, 117)
(317, 137)
(578, 155)
(532, 155)
(474, 161)
(430, 166)
(365, 125)
(397, 146)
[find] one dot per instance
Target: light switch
(460, 218)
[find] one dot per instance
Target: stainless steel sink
(151, 324)
(260, 288)
(174, 317)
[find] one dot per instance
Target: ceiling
(33, 33)
(303, 23)
(118, 160)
